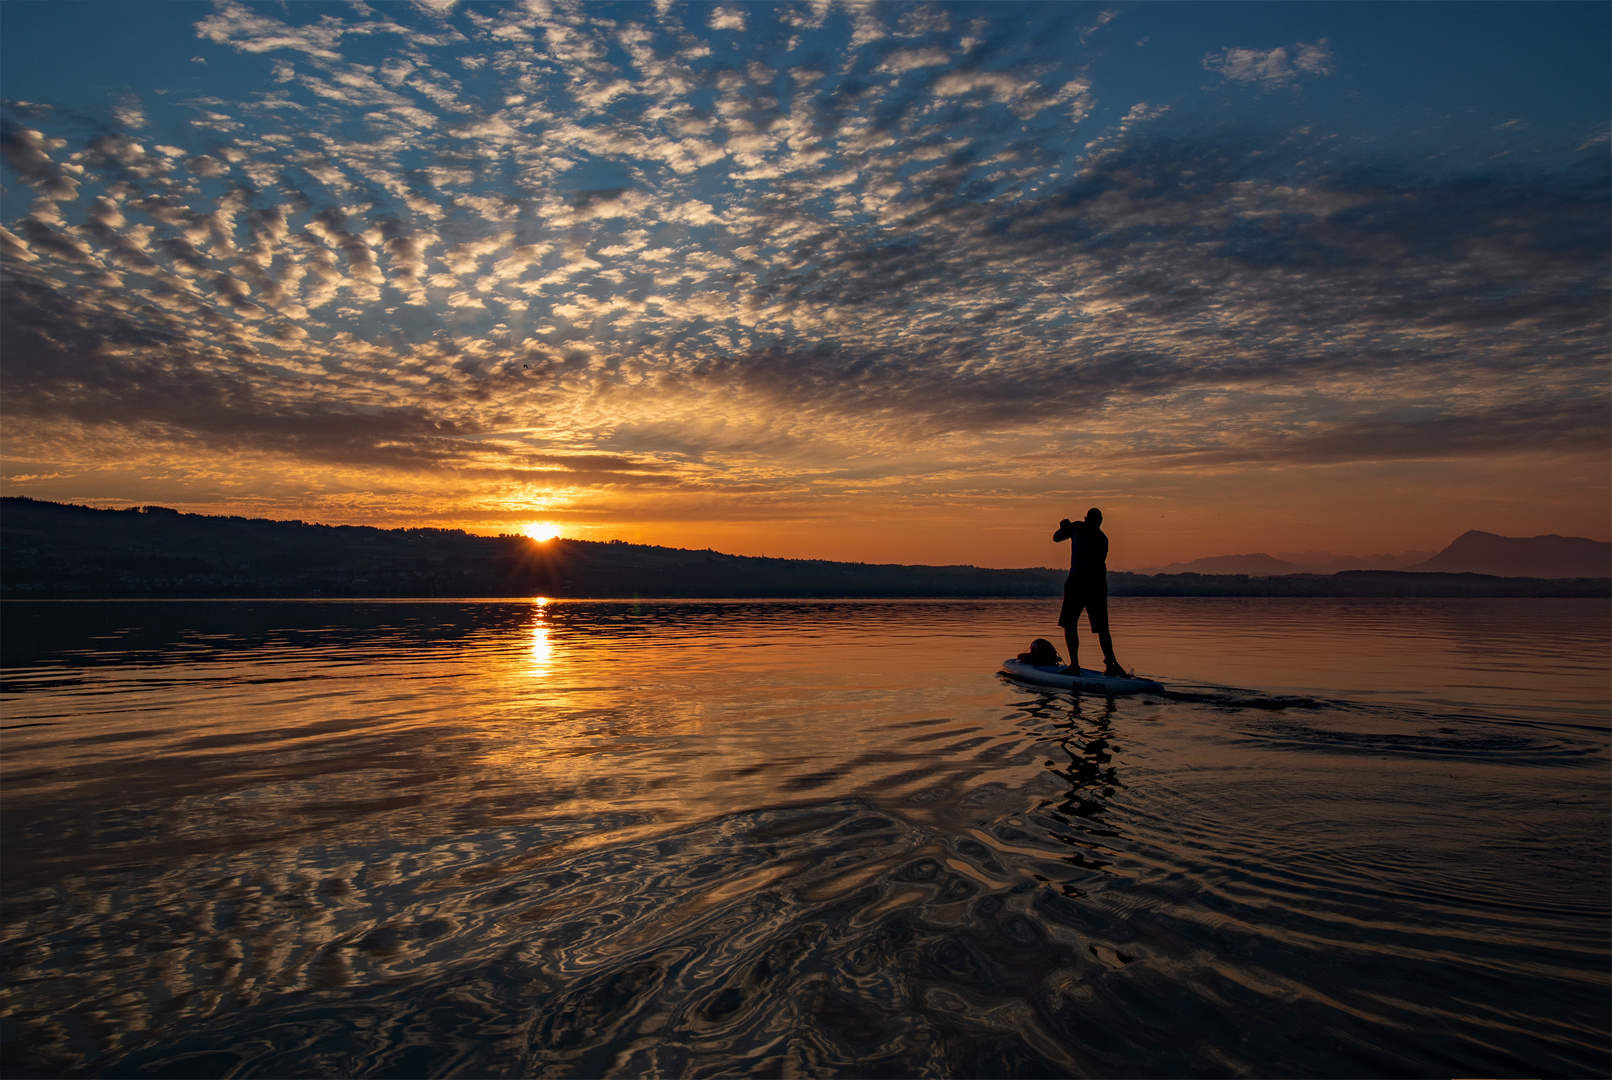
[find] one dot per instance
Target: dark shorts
(1095, 601)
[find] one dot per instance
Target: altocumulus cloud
(728, 248)
(1274, 66)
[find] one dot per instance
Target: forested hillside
(61, 551)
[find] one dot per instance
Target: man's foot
(1112, 670)
(1072, 669)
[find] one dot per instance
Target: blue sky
(853, 280)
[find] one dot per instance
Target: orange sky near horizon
(1152, 520)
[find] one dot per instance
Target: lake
(804, 838)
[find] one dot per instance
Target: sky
(882, 282)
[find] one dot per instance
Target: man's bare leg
(1110, 665)
(1071, 639)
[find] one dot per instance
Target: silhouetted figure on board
(1086, 587)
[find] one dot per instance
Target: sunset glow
(883, 282)
(542, 649)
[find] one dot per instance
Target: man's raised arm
(1066, 529)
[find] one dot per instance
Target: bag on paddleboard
(1041, 652)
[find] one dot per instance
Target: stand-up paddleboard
(1052, 675)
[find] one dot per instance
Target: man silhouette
(1086, 587)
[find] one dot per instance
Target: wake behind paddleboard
(1095, 681)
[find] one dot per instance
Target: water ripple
(417, 843)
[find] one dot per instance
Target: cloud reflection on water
(782, 837)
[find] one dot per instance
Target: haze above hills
(1260, 564)
(1473, 552)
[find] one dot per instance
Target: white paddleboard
(1095, 681)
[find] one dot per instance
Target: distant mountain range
(1472, 552)
(1549, 556)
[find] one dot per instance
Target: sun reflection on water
(542, 648)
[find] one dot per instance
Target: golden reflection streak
(542, 650)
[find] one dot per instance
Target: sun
(541, 530)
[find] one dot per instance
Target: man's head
(1095, 516)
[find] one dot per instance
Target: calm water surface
(282, 839)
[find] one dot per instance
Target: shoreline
(1210, 586)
